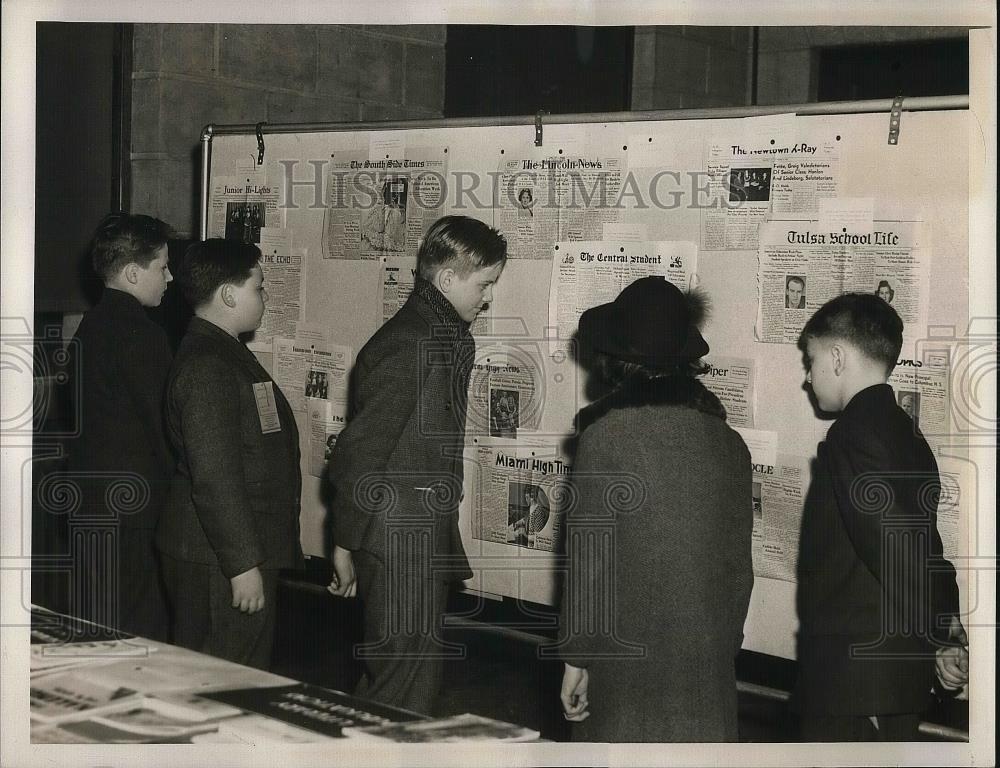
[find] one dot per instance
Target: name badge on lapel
(267, 408)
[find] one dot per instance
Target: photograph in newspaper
(241, 207)
(519, 494)
(382, 207)
(585, 274)
(528, 512)
(505, 412)
(306, 371)
(801, 268)
(505, 391)
(732, 379)
(753, 179)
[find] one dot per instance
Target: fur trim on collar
(637, 391)
(699, 307)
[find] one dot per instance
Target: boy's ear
(131, 273)
(227, 295)
(839, 358)
(444, 279)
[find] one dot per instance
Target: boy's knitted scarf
(454, 328)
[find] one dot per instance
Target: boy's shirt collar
(445, 312)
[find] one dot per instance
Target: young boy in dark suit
(232, 516)
(396, 469)
(122, 454)
(877, 600)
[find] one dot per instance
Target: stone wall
(186, 76)
(690, 67)
(696, 67)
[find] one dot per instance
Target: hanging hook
(260, 143)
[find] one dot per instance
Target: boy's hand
(344, 582)
(952, 664)
(574, 693)
(248, 591)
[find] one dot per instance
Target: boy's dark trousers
(402, 651)
(204, 617)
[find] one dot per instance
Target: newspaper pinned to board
(505, 392)
(241, 206)
(282, 267)
(778, 493)
(585, 274)
(801, 266)
(768, 170)
(520, 494)
(733, 381)
(306, 370)
(380, 206)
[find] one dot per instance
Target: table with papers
(100, 686)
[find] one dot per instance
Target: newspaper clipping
(529, 207)
(557, 198)
(589, 190)
(754, 179)
(379, 207)
(800, 268)
(505, 392)
(779, 490)
(282, 268)
(519, 494)
(396, 284)
(949, 512)
(241, 206)
(732, 381)
(307, 371)
(398, 273)
(326, 421)
(922, 390)
(585, 274)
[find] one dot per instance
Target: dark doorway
(82, 86)
(931, 68)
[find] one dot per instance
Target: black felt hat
(652, 322)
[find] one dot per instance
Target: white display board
(825, 199)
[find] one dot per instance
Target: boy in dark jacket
(877, 600)
(121, 458)
(396, 469)
(232, 516)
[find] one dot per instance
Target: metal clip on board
(895, 118)
(260, 143)
(538, 127)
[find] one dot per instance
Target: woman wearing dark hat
(657, 532)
